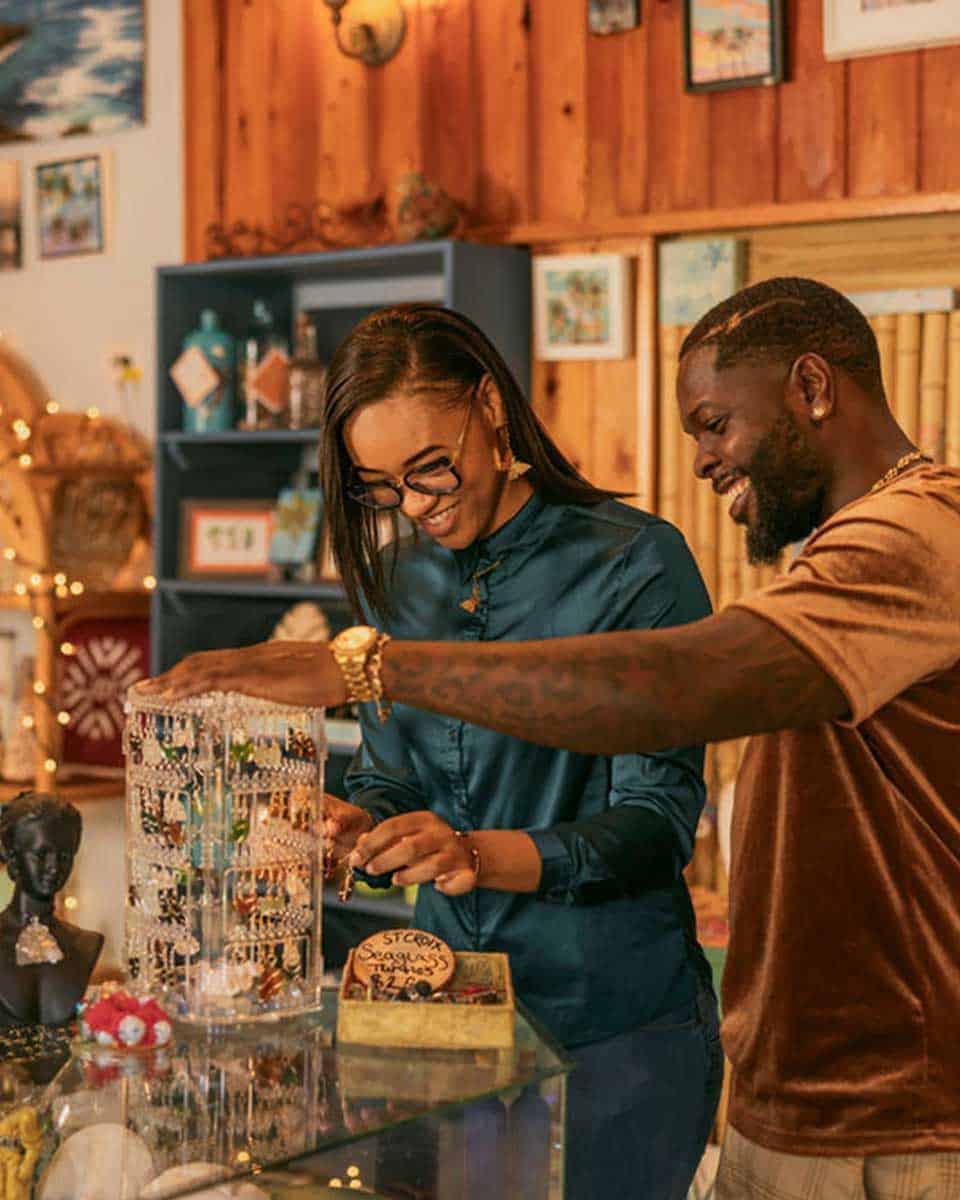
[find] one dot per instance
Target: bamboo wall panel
(906, 403)
(931, 432)
(515, 108)
(952, 438)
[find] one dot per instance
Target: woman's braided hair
(779, 319)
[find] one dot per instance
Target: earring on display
(508, 461)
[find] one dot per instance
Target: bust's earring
(508, 461)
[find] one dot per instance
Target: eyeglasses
(439, 477)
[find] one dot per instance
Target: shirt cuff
(374, 802)
(556, 873)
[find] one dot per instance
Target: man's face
(753, 449)
(43, 858)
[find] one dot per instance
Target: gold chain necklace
(899, 466)
(472, 602)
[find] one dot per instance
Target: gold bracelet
(462, 835)
(373, 667)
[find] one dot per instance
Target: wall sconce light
(371, 30)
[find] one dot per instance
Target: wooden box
(430, 1025)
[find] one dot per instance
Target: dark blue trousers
(640, 1107)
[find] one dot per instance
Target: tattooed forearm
(630, 692)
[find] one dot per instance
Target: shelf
(375, 262)
(11, 602)
(81, 789)
(242, 437)
(262, 590)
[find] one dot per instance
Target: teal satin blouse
(607, 942)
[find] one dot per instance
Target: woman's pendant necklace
(472, 602)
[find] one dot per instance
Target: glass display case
(287, 1114)
(224, 849)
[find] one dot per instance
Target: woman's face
(409, 431)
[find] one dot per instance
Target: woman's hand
(343, 823)
(417, 847)
(299, 673)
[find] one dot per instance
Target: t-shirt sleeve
(874, 597)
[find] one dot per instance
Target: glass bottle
(214, 411)
(260, 336)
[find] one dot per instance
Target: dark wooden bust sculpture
(45, 963)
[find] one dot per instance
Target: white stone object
(100, 1162)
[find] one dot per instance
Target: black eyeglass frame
(358, 488)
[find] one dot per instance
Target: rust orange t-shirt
(842, 985)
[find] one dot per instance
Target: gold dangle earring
(508, 461)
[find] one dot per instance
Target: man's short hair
(779, 319)
(40, 807)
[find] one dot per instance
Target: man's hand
(343, 823)
(417, 847)
(298, 673)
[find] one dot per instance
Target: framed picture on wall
(72, 202)
(226, 539)
(70, 68)
(10, 216)
(730, 44)
(295, 525)
(855, 27)
(581, 306)
(697, 273)
(613, 16)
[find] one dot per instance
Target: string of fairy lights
(49, 583)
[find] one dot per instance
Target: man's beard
(790, 480)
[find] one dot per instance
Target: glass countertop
(252, 1101)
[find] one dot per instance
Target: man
(842, 986)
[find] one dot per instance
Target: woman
(569, 863)
(573, 864)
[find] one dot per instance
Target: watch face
(357, 638)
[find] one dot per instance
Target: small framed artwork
(226, 539)
(697, 273)
(11, 231)
(72, 201)
(730, 44)
(295, 525)
(855, 27)
(581, 306)
(614, 16)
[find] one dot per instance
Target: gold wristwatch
(358, 652)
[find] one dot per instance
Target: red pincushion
(105, 1015)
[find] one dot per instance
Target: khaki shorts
(751, 1172)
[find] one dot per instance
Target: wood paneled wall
(516, 110)
(573, 142)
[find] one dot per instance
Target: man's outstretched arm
(615, 693)
(611, 693)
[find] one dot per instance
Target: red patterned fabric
(111, 654)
